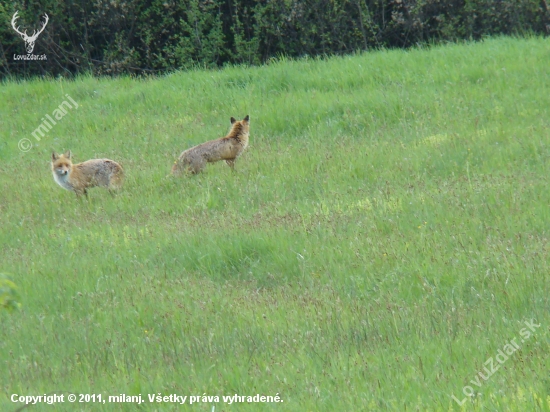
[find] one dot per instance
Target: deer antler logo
(29, 40)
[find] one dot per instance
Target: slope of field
(382, 239)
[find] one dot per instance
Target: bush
(155, 36)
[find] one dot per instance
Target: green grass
(385, 234)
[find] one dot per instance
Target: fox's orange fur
(79, 177)
(226, 148)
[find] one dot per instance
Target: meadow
(385, 234)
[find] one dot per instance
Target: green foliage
(9, 297)
(155, 36)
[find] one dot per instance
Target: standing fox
(226, 148)
(79, 177)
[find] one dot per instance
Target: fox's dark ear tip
(247, 118)
(233, 120)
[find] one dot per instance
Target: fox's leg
(197, 165)
(81, 192)
(231, 164)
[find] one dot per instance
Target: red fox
(226, 148)
(79, 177)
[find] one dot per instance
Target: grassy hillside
(385, 234)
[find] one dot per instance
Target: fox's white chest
(244, 141)
(62, 180)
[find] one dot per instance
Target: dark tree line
(154, 36)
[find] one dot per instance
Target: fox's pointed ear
(55, 156)
(67, 154)
(233, 120)
(247, 118)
